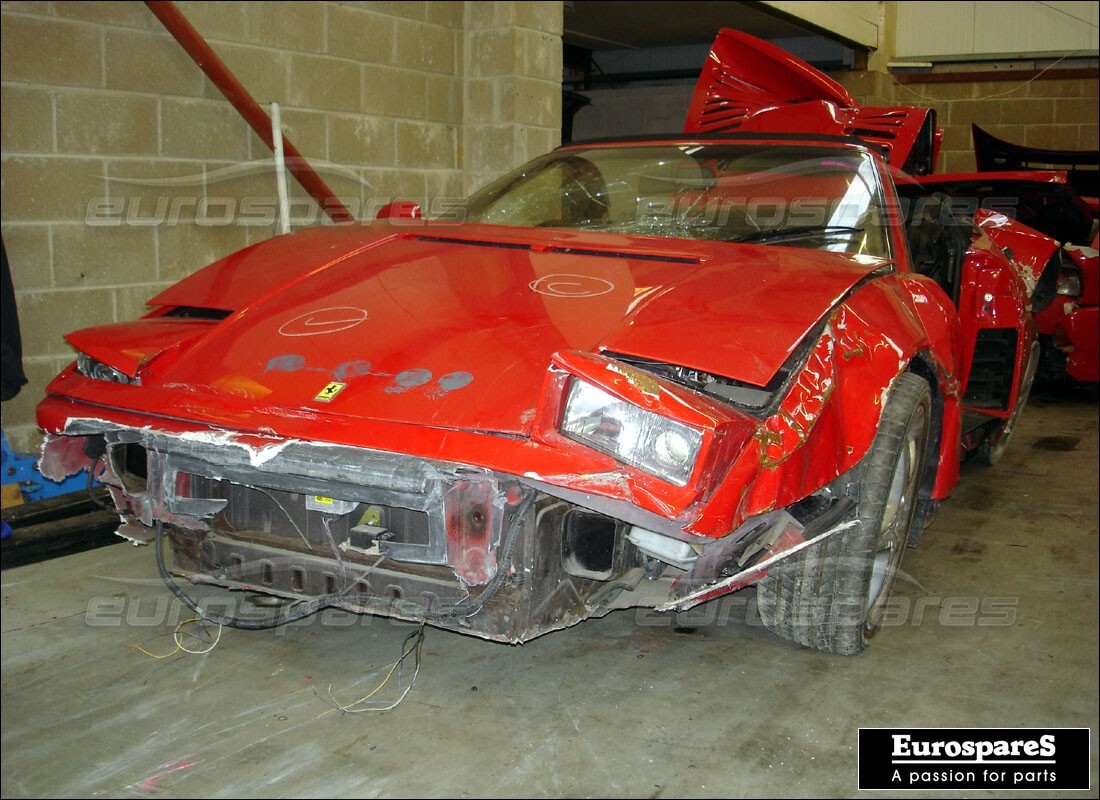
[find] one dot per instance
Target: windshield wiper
(798, 232)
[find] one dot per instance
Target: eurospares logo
(1027, 759)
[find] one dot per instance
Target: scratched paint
(409, 379)
(402, 381)
(287, 363)
(642, 381)
(257, 456)
(323, 321)
(566, 285)
(449, 383)
(455, 380)
(351, 369)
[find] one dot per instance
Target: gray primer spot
(409, 379)
(351, 369)
(412, 377)
(455, 380)
(287, 363)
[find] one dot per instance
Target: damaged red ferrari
(637, 373)
(1067, 310)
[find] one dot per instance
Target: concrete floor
(997, 626)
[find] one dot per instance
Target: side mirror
(399, 209)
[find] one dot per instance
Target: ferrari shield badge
(330, 391)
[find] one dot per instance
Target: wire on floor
(178, 634)
(413, 645)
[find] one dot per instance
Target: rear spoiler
(750, 85)
(997, 155)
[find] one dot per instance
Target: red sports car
(1067, 311)
(636, 373)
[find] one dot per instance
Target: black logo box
(1059, 759)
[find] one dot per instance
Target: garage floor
(997, 626)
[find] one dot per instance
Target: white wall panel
(991, 29)
(858, 21)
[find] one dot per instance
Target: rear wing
(750, 85)
(997, 155)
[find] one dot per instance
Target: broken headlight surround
(744, 396)
(97, 370)
(629, 433)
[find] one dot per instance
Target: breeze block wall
(513, 86)
(124, 169)
(1049, 112)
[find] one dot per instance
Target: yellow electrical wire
(417, 646)
(177, 636)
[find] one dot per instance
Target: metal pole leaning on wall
(215, 69)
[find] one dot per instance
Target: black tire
(832, 596)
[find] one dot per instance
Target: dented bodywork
(593, 393)
(1067, 307)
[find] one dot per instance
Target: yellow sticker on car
(324, 500)
(330, 391)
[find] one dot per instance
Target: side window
(938, 238)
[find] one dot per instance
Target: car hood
(454, 327)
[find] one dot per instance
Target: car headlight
(90, 368)
(648, 441)
(1069, 283)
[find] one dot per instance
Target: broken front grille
(310, 522)
(454, 545)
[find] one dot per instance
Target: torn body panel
(374, 532)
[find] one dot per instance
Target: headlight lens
(90, 368)
(648, 441)
(1069, 283)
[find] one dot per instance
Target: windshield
(826, 198)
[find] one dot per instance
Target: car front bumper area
(462, 547)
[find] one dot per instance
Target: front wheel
(833, 596)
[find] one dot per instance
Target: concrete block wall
(513, 78)
(124, 169)
(1052, 113)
